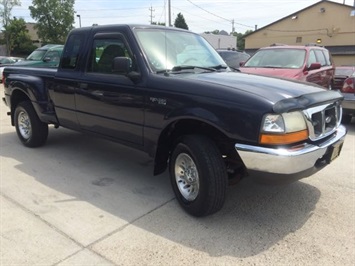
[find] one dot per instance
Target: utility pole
(233, 29)
(169, 13)
(151, 14)
(79, 20)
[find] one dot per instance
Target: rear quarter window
(70, 56)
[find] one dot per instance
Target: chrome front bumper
(294, 160)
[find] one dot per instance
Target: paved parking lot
(85, 201)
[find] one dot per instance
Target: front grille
(323, 120)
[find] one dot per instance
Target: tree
(5, 13)
(180, 22)
(212, 32)
(241, 39)
(19, 40)
(54, 18)
(158, 23)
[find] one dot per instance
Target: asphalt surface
(85, 201)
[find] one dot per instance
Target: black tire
(200, 189)
(346, 119)
(31, 131)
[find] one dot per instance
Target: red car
(309, 63)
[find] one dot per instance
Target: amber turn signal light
(287, 138)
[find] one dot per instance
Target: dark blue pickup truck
(167, 92)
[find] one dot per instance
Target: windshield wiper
(235, 69)
(219, 67)
(162, 71)
(180, 68)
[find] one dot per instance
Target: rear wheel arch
(17, 97)
(31, 131)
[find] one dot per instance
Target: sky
(200, 15)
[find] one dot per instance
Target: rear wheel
(31, 131)
(198, 175)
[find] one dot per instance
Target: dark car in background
(233, 58)
(341, 74)
(45, 56)
(348, 104)
(8, 60)
(344, 81)
(309, 63)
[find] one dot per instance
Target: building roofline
(299, 11)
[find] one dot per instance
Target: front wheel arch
(180, 128)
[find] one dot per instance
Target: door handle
(83, 86)
(97, 93)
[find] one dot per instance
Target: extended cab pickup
(167, 92)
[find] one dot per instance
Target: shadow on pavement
(119, 181)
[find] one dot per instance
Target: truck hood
(273, 72)
(271, 88)
(284, 94)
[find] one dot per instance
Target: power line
(209, 11)
(229, 20)
(163, 12)
(187, 12)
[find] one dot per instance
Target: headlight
(283, 128)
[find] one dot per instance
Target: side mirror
(121, 65)
(314, 66)
(241, 63)
(46, 59)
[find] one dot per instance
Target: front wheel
(198, 175)
(31, 131)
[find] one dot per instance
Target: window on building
(298, 39)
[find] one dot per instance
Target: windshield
(166, 49)
(344, 72)
(36, 55)
(277, 58)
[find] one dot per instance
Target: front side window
(166, 49)
(52, 56)
(320, 57)
(312, 58)
(36, 55)
(277, 58)
(105, 50)
(327, 58)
